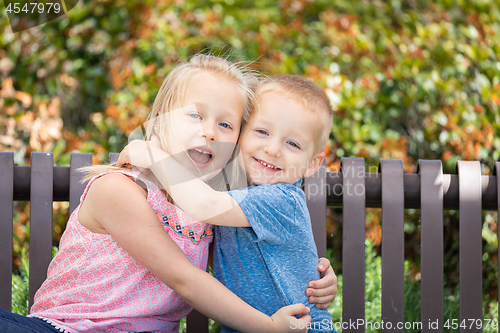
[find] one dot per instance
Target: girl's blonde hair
(173, 90)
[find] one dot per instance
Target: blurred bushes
(407, 79)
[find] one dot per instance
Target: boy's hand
(141, 154)
(284, 319)
(124, 159)
(323, 291)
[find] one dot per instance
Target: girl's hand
(284, 319)
(323, 291)
(141, 154)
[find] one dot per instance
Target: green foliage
(407, 79)
(213, 327)
(20, 284)
(20, 287)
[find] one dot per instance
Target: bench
(352, 188)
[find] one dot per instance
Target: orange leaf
(69, 81)
(112, 112)
(7, 88)
(73, 141)
(24, 97)
(446, 156)
(54, 107)
(495, 99)
(149, 69)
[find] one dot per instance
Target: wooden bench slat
(196, 322)
(411, 191)
(314, 187)
(392, 243)
(40, 250)
(470, 240)
(76, 188)
(432, 247)
(113, 157)
(497, 174)
(6, 211)
(353, 242)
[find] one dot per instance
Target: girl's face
(203, 131)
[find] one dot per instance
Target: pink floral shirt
(93, 285)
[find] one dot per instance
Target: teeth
(202, 151)
(267, 165)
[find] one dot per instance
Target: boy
(268, 264)
(270, 257)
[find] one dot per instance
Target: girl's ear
(314, 164)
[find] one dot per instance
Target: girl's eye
(293, 144)
(261, 131)
(225, 125)
(195, 115)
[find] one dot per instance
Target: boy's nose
(273, 150)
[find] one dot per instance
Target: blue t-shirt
(270, 264)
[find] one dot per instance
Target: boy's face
(277, 144)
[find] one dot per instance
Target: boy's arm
(190, 193)
(120, 207)
(196, 198)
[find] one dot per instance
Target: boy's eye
(225, 125)
(261, 131)
(293, 144)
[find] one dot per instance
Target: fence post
(470, 239)
(6, 204)
(353, 242)
(42, 171)
(392, 244)
(432, 248)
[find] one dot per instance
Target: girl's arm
(120, 207)
(323, 291)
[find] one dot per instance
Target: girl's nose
(209, 133)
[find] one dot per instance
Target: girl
(121, 234)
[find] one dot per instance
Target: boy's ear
(314, 164)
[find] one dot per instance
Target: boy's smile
(267, 166)
(277, 144)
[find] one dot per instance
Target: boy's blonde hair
(306, 92)
(173, 90)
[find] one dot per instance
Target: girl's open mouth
(201, 156)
